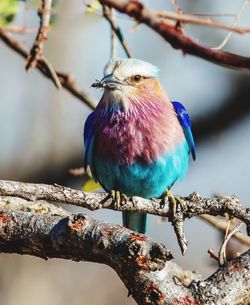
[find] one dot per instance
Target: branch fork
(29, 224)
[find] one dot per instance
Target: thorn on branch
(178, 224)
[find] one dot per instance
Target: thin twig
(212, 254)
(236, 19)
(221, 225)
(139, 12)
(36, 51)
(209, 14)
(116, 29)
(51, 71)
(178, 10)
(223, 247)
(113, 36)
(66, 80)
(202, 21)
(18, 29)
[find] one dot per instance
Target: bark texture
(29, 224)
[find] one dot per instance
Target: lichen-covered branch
(143, 265)
(174, 36)
(193, 205)
(236, 275)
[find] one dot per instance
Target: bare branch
(109, 15)
(142, 264)
(193, 205)
(222, 226)
(202, 21)
(116, 29)
(224, 244)
(36, 51)
(236, 19)
(18, 29)
(176, 38)
(236, 274)
(66, 80)
(38, 206)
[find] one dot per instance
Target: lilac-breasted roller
(137, 142)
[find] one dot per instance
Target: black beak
(108, 81)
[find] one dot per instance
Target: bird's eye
(136, 78)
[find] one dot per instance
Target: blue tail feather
(135, 221)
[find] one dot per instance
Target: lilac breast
(141, 133)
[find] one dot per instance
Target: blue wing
(184, 120)
(88, 140)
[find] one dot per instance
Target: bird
(136, 142)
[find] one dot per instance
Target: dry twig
(212, 254)
(177, 39)
(18, 29)
(36, 51)
(202, 21)
(236, 19)
(221, 225)
(107, 14)
(224, 244)
(66, 80)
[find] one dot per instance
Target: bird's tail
(135, 221)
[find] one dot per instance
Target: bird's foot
(174, 201)
(117, 198)
(112, 198)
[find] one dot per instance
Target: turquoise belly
(141, 179)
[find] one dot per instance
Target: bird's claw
(174, 201)
(117, 198)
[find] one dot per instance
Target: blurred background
(41, 136)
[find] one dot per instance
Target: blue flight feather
(185, 122)
(88, 140)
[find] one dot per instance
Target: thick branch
(176, 38)
(193, 205)
(142, 264)
(66, 80)
(236, 275)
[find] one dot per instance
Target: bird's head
(127, 80)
